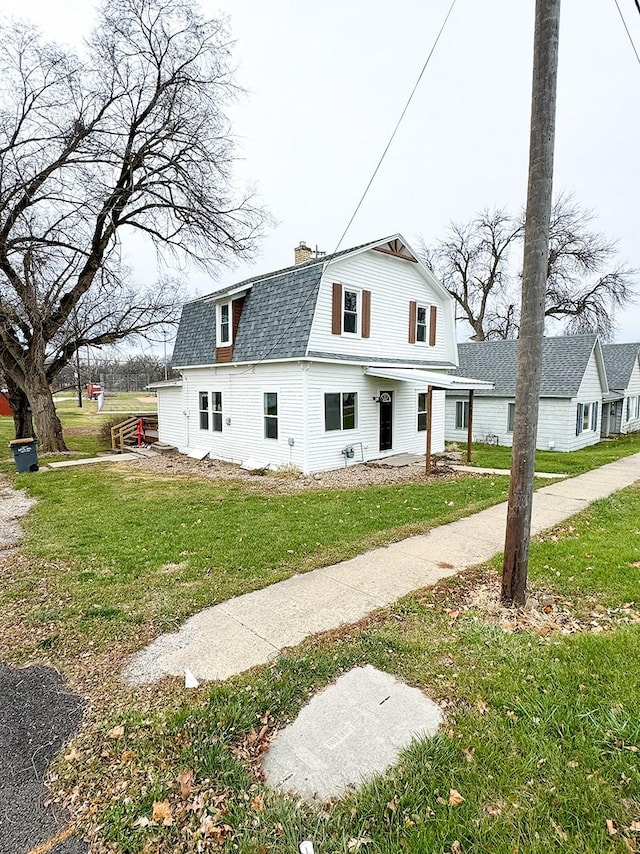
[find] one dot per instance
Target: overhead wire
(624, 23)
(301, 308)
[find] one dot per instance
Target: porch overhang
(437, 381)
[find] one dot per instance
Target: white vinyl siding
(171, 420)
(393, 284)
(632, 392)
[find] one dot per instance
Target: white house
(574, 384)
(320, 365)
(622, 362)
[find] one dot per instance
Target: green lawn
(541, 735)
(114, 549)
(575, 462)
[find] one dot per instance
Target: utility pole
(534, 278)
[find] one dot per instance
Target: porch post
(470, 426)
(427, 466)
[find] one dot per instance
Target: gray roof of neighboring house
(619, 361)
(564, 361)
(276, 316)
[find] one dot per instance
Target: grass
(541, 735)
(116, 549)
(573, 463)
(81, 425)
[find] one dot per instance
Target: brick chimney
(303, 253)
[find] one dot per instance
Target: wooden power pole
(534, 278)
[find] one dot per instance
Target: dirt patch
(288, 480)
(14, 504)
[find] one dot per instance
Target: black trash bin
(25, 454)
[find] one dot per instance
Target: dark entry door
(386, 420)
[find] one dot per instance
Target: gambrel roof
(564, 362)
(271, 303)
(619, 361)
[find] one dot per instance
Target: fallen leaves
(162, 813)
(455, 798)
(356, 843)
(185, 781)
(116, 732)
(611, 828)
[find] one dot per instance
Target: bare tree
(131, 138)
(585, 280)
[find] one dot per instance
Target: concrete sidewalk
(238, 634)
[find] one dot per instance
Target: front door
(386, 420)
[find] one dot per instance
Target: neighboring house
(622, 413)
(574, 384)
(322, 364)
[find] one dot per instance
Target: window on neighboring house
(421, 323)
(462, 414)
(586, 416)
(628, 415)
(594, 416)
(216, 411)
(511, 417)
(638, 406)
(350, 312)
(203, 406)
(422, 411)
(224, 324)
(340, 410)
(270, 415)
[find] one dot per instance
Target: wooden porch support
(470, 426)
(427, 465)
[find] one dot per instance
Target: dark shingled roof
(619, 361)
(276, 316)
(196, 337)
(564, 361)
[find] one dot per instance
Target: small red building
(5, 406)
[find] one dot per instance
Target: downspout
(470, 426)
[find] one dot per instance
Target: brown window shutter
(413, 311)
(433, 317)
(336, 310)
(366, 313)
(236, 311)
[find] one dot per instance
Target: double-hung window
(350, 306)
(203, 407)
(421, 324)
(270, 415)
(216, 411)
(224, 324)
(462, 414)
(422, 411)
(511, 417)
(340, 410)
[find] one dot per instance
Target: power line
(627, 28)
(296, 316)
(398, 123)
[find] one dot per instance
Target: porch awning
(447, 382)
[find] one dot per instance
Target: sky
(326, 83)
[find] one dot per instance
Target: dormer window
(224, 324)
(350, 312)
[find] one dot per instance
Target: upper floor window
(421, 323)
(270, 415)
(350, 312)
(224, 324)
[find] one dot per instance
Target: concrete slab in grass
(351, 731)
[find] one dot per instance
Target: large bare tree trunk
(46, 423)
(22, 423)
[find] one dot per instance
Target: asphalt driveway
(37, 716)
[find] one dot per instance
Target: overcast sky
(326, 83)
